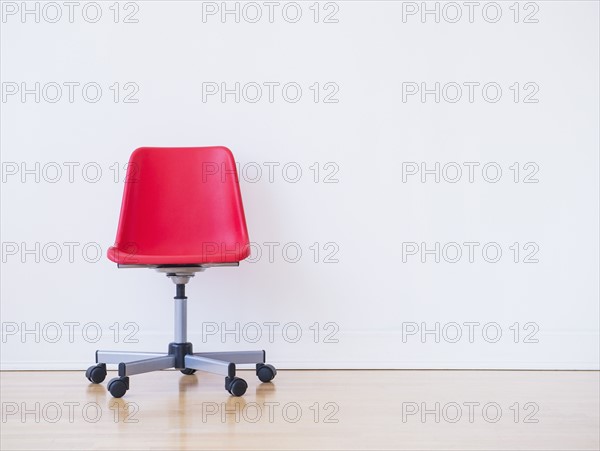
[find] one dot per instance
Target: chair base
(180, 356)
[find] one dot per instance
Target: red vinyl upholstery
(181, 206)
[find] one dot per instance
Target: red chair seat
(181, 206)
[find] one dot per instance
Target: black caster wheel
(97, 373)
(265, 372)
(188, 371)
(235, 385)
(118, 386)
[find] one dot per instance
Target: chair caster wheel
(188, 371)
(265, 372)
(118, 386)
(97, 373)
(235, 385)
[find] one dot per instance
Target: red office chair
(181, 213)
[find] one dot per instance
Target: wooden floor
(430, 410)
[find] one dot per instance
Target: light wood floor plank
(306, 410)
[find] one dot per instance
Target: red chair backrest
(181, 206)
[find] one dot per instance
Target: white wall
(368, 302)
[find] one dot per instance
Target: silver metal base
(223, 363)
(180, 354)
